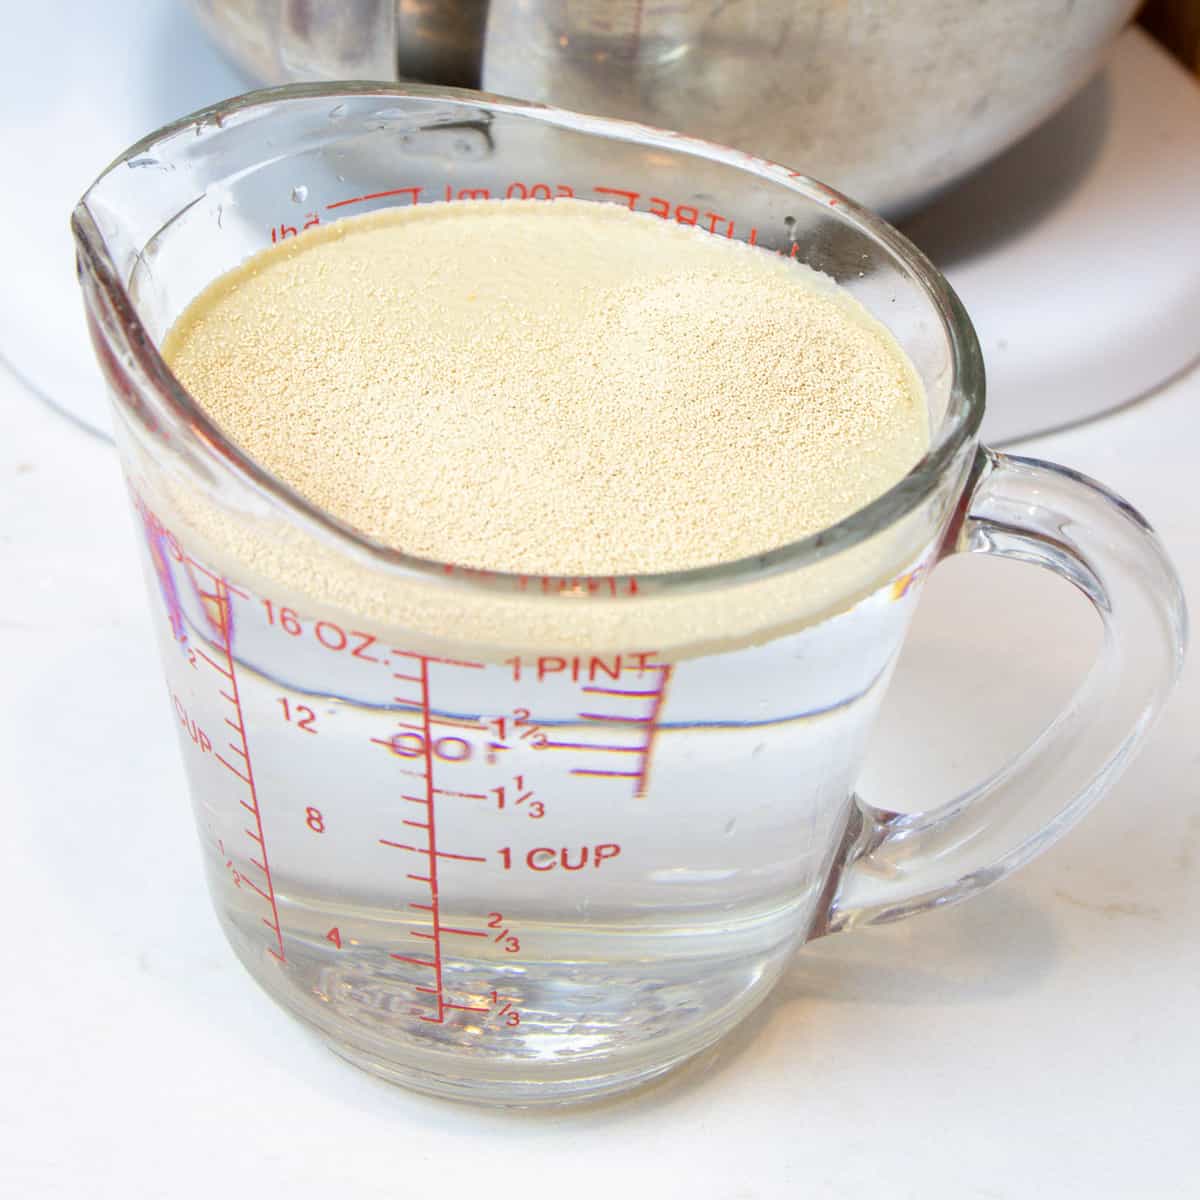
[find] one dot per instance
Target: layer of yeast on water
(553, 387)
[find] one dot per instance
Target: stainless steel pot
(889, 100)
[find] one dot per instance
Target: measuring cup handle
(895, 864)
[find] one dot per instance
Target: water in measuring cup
(556, 868)
(566, 868)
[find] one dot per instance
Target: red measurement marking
(647, 721)
(591, 746)
(467, 1007)
(223, 585)
(254, 887)
(229, 766)
(630, 197)
(428, 658)
(467, 193)
(614, 719)
(457, 723)
(592, 669)
(433, 850)
(420, 746)
(217, 604)
(664, 677)
(212, 663)
(605, 691)
(517, 190)
(416, 962)
(414, 192)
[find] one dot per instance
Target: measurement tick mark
(217, 602)
(428, 658)
(607, 691)
(404, 191)
(664, 678)
(456, 723)
(229, 766)
(216, 666)
(592, 746)
(254, 887)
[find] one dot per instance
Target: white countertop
(1040, 1039)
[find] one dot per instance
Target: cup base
(516, 1092)
(581, 1029)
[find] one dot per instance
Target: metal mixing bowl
(888, 100)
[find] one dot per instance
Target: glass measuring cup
(527, 838)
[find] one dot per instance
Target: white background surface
(1039, 1040)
